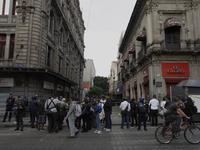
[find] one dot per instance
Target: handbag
(48, 110)
(124, 112)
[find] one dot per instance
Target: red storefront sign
(175, 70)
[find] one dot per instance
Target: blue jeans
(127, 120)
(98, 122)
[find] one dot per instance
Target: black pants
(53, 122)
(78, 122)
(108, 120)
(191, 122)
(34, 115)
(142, 118)
(60, 121)
(86, 120)
(134, 117)
(19, 118)
(154, 116)
(8, 110)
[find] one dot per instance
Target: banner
(48, 85)
(6, 82)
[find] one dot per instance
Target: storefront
(119, 92)
(145, 82)
(174, 73)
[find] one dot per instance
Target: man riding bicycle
(176, 114)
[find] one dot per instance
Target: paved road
(117, 139)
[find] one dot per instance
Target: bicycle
(165, 134)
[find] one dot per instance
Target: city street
(117, 139)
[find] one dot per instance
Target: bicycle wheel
(192, 135)
(164, 135)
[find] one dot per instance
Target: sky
(104, 20)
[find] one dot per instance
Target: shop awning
(145, 82)
(131, 50)
(141, 36)
(174, 80)
(172, 23)
(126, 59)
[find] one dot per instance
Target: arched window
(4, 7)
(172, 34)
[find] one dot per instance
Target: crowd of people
(143, 111)
(86, 114)
(92, 112)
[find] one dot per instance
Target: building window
(15, 3)
(4, 7)
(2, 45)
(172, 38)
(61, 39)
(60, 65)
(66, 70)
(51, 22)
(49, 57)
(12, 44)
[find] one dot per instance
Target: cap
(61, 96)
(148, 96)
(140, 98)
(19, 99)
(24, 97)
(11, 93)
(30, 97)
(127, 96)
(63, 99)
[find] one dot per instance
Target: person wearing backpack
(71, 117)
(52, 104)
(125, 107)
(62, 114)
(154, 104)
(133, 113)
(189, 104)
(142, 113)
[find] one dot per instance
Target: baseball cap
(19, 99)
(61, 96)
(11, 93)
(24, 97)
(127, 96)
(140, 98)
(148, 96)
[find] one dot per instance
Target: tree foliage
(94, 91)
(101, 82)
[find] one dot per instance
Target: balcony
(175, 46)
(141, 55)
(132, 65)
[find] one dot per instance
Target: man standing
(34, 111)
(71, 117)
(107, 109)
(53, 117)
(125, 107)
(9, 105)
(149, 110)
(154, 104)
(19, 114)
(142, 113)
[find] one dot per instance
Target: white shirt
(154, 103)
(56, 101)
(123, 106)
(102, 101)
(163, 104)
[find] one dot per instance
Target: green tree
(102, 82)
(94, 91)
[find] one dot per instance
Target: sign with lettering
(6, 82)
(146, 74)
(175, 70)
(48, 85)
(59, 88)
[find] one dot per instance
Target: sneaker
(145, 129)
(15, 122)
(138, 129)
(132, 127)
(104, 129)
(95, 131)
(107, 130)
(99, 132)
(41, 129)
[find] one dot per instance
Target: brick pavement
(117, 139)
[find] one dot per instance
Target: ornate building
(161, 47)
(41, 47)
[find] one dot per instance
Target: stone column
(7, 48)
(56, 50)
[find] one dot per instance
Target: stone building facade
(41, 48)
(113, 79)
(161, 47)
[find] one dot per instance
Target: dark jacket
(138, 110)
(20, 111)
(85, 109)
(108, 105)
(10, 102)
(133, 107)
(41, 108)
(34, 105)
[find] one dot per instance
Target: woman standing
(97, 110)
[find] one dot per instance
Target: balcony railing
(132, 65)
(141, 54)
(175, 45)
